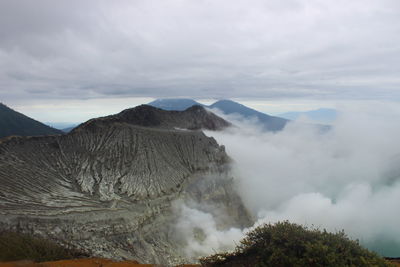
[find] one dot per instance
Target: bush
(289, 244)
(16, 246)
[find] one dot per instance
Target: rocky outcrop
(108, 186)
(193, 118)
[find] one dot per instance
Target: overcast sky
(62, 56)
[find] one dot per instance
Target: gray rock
(108, 186)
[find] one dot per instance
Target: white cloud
(346, 179)
(201, 234)
(205, 49)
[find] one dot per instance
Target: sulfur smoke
(347, 178)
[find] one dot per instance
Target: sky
(70, 60)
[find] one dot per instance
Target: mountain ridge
(174, 103)
(193, 118)
(110, 186)
(269, 123)
(15, 123)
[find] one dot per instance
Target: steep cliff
(108, 187)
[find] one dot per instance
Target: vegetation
(15, 246)
(15, 123)
(288, 244)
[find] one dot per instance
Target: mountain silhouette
(15, 123)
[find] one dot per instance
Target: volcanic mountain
(109, 186)
(193, 118)
(174, 103)
(15, 123)
(229, 107)
(267, 122)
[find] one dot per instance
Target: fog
(347, 178)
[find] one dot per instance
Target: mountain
(67, 130)
(62, 125)
(65, 127)
(194, 118)
(112, 187)
(15, 123)
(322, 115)
(174, 103)
(270, 123)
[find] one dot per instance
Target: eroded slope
(108, 187)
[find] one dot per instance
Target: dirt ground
(96, 262)
(395, 261)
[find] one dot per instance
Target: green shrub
(16, 246)
(289, 244)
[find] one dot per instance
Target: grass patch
(16, 246)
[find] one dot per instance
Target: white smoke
(347, 178)
(201, 232)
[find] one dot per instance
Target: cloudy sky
(68, 60)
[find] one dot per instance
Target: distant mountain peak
(227, 106)
(173, 103)
(227, 101)
(269, 123)
(173, 99)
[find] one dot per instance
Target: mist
(199, 230)
(347, 178)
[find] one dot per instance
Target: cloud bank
(348, 178)
(202, 49)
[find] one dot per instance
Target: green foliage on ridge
(289, 244)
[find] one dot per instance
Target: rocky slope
(193, 118)
(110, 185)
